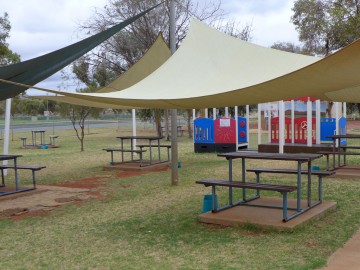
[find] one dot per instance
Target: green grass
(153, 225)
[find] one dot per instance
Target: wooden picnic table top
(274, 156)
(8, 157)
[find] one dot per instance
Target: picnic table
(15, 166)
(300, 159)
(152, 142)
(341, 149)
(180, 130)
(34, 134)
(37, 135)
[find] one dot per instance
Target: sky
(42, 26)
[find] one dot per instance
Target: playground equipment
(219, 135)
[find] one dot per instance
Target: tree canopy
(124, 49)
(7, 56)
(326, 25)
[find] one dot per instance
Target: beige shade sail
(212, 69)
(155, 56)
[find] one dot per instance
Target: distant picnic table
(152, 143)
(180, 130)
(341, 149)
(38, 139)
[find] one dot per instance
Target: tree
(289, 47)
(77, 116)
(155, 115)
(125, 48)
(7, 56)
(327, 25)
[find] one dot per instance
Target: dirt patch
(352, 125)
(125, 174)
(48, 197)
(45, 198)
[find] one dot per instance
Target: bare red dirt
(84, 189)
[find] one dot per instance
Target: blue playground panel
(342, 129)
(328, 127)
(242, 134)
(204, 130)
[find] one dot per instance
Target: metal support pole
(133, 113)
(7, 131)
(309, 123)
(247, 124)
(174, 145)
(318, 121)
(236, 129)
(230, 180)
(281, 126)
(259, 124)
(292, 121)
(298, 204)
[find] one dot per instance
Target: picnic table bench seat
(250, 185)
(168, 146)
(123, 150)
(23, 139)
(52, 139)
(33, 168)
(283, 189)
(319, 173)
(341, 153)
(112, 150)
(349, 147)
(148, 145)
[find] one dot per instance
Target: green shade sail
(35, 70)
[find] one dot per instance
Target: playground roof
(212, 69)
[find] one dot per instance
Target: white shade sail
(155, 56)
(212, 69)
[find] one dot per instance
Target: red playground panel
(225, 130)
(300, 130)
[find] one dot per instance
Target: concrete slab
(265, 217)
(346, 257)
(135, 166)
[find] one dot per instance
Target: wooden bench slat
(23, 167)
(290, 171)
(122, 150)
(237, 184)
(147, 145)
(338, 153)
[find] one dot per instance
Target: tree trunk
(329, 108)
(158, 126)
(82, 138)
(167, 134)
(189, 115)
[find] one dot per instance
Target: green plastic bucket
(208, 202)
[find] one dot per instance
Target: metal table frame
(299, 158)
(42, 136)
(150, 139)
(14, 158)
(338, 139)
